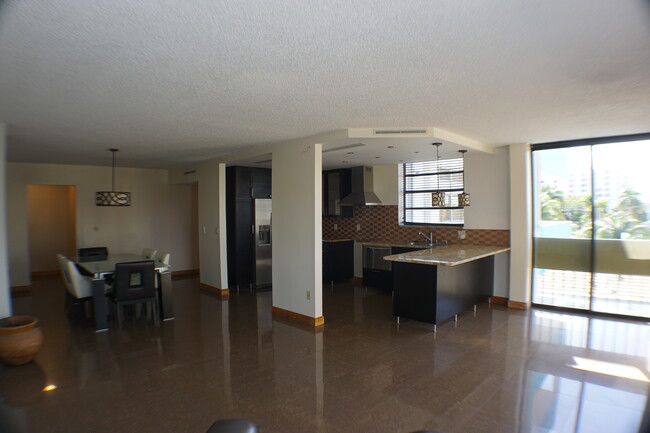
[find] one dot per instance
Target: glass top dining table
(100, 266)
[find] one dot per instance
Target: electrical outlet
(308, 295)
(358, 227)
(461, 234)
(336, 227)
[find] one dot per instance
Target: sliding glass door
(592, 226)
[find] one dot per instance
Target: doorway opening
(51, 214)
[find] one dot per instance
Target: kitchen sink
(425, 244)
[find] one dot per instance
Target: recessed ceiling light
(417, 151)
(350, 153)
(50, 387)
(377, 157)
(390, 147)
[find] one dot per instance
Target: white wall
(211, 176)
(297, 228)
(385, 183)
(160, 216)
(487, 180)
(5, 295)
(521, 227)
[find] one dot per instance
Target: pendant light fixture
(112, 197)
(463, 197)
(438, 197)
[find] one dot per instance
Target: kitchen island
(435, 284)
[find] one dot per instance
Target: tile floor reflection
(496, 370)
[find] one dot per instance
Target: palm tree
(627, 220)
(552, 203)
(631, 204)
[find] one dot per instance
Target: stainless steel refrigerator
(262, 229)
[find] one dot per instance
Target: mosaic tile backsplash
(380, 223)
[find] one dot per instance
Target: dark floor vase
(20, 339)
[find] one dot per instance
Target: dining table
(100, 267)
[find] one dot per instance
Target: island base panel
(414, 288)
(433, 294)
(463, 286)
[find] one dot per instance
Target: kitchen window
(418, 180)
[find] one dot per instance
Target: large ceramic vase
(20, 339)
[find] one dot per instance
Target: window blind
(420, 179)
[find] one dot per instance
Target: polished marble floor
(496, 370)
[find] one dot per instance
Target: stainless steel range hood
(362, 188)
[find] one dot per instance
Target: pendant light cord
(113, 151)
(113, 177)
(438, 164)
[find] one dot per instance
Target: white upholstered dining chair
(78, 285)
(79, 288)
(148, 253)
(161, 260)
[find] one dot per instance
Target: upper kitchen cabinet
(336, 185)
(249, 182)
(261, 183)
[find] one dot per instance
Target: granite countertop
(450, 255)
(396, 244)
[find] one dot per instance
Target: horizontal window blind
(420, 179)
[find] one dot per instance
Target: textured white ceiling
(172, 82)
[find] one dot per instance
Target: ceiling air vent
(400, 131)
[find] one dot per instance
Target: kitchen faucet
(428, 238)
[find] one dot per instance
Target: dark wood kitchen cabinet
(336, 185)
(249, 182)
(338, 260)
(243, 185)
(260, 183)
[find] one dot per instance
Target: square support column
(297, 232)
(521, 231)
(212, 226)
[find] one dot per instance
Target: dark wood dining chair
(134, 284)
(93, 251)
